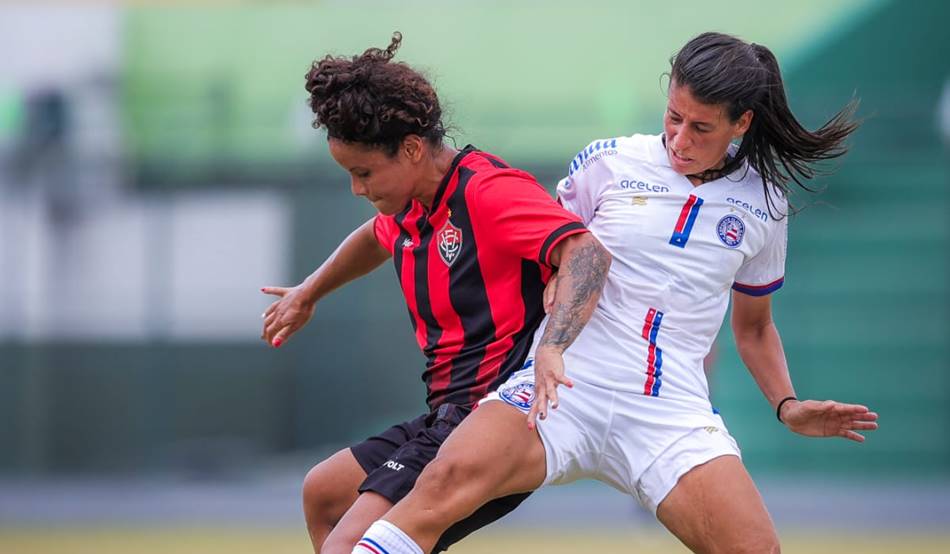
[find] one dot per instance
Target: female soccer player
(688, 217)
(473, 242)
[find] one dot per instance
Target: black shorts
(394, 459)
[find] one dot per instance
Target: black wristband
(778, 409)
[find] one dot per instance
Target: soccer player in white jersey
(691, 217)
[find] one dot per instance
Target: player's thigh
(715, 507)
(369, 507)
(331, 487)
(492, 452)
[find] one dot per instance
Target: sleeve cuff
(759, 290)
(559, 234)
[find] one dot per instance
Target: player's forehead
(682, 102)
(355, 154)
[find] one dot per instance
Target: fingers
(538, 408)
(275, 331)
(864, 425)
(276, 291)
(851, 435)
(566, 381)
(282, 336)
(851, 408)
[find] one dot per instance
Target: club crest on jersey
(731, 229)
(520, 395)
(449, 240)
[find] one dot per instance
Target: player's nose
(357, 188)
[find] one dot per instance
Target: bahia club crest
(450, 242)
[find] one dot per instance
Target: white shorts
(638, 444)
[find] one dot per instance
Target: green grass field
(222, 541)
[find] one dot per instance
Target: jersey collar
(440, 192)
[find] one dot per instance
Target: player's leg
(369, 507)
(329, 490)
(333, 486)
(490, 455)
(715, 507)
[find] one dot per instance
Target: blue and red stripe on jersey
(684, 225)
(475, 318)
(759, 290)
(651, 328)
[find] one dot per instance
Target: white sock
(383, 537)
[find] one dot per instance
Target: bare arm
(760, 348)
(584, 264)
(357, 255)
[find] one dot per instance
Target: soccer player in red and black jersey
(473, 242)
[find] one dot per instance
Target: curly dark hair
(371, 100)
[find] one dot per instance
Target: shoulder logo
(594, 152)
(731, 229)
(449, 240)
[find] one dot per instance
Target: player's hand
(286, 315)
(548, 374)
(549, 290)
(827, 418)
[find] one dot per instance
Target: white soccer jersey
(677, 251)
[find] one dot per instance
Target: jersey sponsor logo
(519, 395)
(595, 152)
(749, 208)
(407, 243)
(633, 184)
(450, 243)
(393, 465)
(730, 229)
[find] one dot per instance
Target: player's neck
(710, 174)
(434, 174)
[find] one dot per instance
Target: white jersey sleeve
(764, 273)
(589, 174)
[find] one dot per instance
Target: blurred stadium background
(157, 167)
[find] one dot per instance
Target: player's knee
(448, 476)
(321, 498)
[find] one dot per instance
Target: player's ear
(742, 124)
(412, 147)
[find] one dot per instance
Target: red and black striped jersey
(473, 269)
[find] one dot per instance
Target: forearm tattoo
(584, 276)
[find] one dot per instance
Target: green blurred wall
(533, 80)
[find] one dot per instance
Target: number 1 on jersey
(684, 225)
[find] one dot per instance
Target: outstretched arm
(584, 264)
(760, 348)
(357, 255)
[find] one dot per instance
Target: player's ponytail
(722, 69)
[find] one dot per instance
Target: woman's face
(388, 182)
(698, 135)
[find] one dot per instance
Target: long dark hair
(722, 69)
(371, 100)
